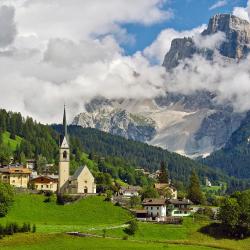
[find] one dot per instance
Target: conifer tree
(194, 190)
(163, 176)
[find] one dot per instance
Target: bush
(125, 237)
(3, 209)
(65, 198)
(132, 228)
(33, 228)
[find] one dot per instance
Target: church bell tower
(64, 161)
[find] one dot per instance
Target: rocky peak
(226, 23)
(235, 46)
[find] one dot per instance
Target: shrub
(132, 228)
(3, 209)
(33, 228)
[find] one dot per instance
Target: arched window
(65, 154)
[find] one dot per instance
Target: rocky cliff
(193, 125)
(236, 44)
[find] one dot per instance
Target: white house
(156, 208)
(179, 208)
(130, 191)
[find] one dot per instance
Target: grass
(12, 143)
(92, 212)
(92, 215)
(63, 242)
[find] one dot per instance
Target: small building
(45, 183)
(31, 163)
(130, 191)
(82, 182)
(156, 208)
(161, 186)
(208, 182)
(179, 207)
(16, 176)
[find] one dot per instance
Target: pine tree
(194, 190)
(163, 176)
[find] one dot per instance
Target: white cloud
(209, 42)
(218, 4)
(7, 25)
(242, 13)
(157, 50)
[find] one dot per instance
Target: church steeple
(65, 122)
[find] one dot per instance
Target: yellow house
(16, 176)
(45, 183)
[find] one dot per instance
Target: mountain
(193, 125)
(236, 44)
(234, 158)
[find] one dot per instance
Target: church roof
(65, 143)
(78, 172)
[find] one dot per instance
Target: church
(82, 182)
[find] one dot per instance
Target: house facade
(130, 191)
(179, 208)
(156, 208)
(45, 183)
(15, 176)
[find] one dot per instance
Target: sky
(59, 51)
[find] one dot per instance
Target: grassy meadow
(92, 215)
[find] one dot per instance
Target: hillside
(86, 213)
(234, 158)
(139, 154)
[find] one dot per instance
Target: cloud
(7, 25)
(70, 51)
(218, 4)
(242, 13)
(158, 49)
(209, 42)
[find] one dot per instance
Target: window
(151, 208)
(41, 186)
(36, 186)
(65, 154)
(157, 208)
(86, 182)
(47, 186)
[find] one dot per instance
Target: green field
(12, 143)
(92, 215)
(92, 212)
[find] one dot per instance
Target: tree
(229, 212)
(5, 154)
(133, 227)
(163, 176)
(41, 164)
(6, 198)
(194, 191)
(135, 201)
(149, 192)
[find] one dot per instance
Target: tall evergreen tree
(163, 176)
(194, 190)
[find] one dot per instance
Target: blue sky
(187, 15)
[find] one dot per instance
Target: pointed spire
(65, 122)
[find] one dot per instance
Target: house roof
(65, 143)
(15, 170)
(153, 202)
(44, 179)
(180, 202)
(78, 172)
(164, 185)
(131, 188)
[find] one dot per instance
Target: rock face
(235, 46)
(193, 125)
(107, 116)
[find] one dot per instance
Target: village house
(16, 176)
(162, 186)
(156, 208)
(160, 209)
(179, 207)
(82, 182)
(44, 183)
(129, 191)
